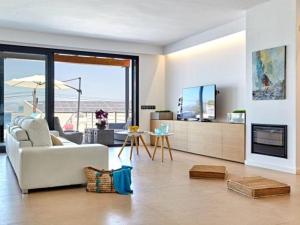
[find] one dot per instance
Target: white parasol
(34, 82)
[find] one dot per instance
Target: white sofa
(51, 166)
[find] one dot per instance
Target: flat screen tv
(199, 102)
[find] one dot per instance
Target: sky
(98, 82)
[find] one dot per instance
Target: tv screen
(199, 102)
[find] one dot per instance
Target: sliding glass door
(28, 84)
(94, 86)
(23, 86)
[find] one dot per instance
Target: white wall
(152, 86)
(220, 62)
(203, 37)
(298, 85)
(269, 25)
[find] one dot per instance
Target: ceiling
(157, 22)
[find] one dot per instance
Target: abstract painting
(269, 74)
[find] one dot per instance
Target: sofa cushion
(38, 131)
(11, 127)
(23, 144)
(20, 120)
(19, 134)
(16, 119)
(55, 140)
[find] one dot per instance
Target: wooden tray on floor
(258, 187)
(208, 171)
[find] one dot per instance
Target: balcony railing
(68, 120)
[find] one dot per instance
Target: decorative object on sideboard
(269, 74)
(237, 116)
(162, 115)
(102, 118)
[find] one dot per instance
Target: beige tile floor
(163, 195)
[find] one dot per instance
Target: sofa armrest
(59, 165)
(75, 136)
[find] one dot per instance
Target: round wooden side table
(134, 139)
(163, 137)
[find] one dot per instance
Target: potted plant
(101, 116)
(237, 116)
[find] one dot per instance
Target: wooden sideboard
(220, 140)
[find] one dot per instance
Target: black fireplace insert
(269, 140)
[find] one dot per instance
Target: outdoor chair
(73, 136)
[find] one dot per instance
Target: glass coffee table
(134, 139)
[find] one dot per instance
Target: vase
(100, 126)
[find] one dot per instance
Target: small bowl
(157, 131)
(133, 128)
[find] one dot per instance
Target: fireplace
(269, 140)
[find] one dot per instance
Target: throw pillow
(10, 128)
(20, 121)
(38, 131)
(55, 140)
(19, 134)
(16, 119)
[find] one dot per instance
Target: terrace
(66, 111)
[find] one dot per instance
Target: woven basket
(100, 181)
